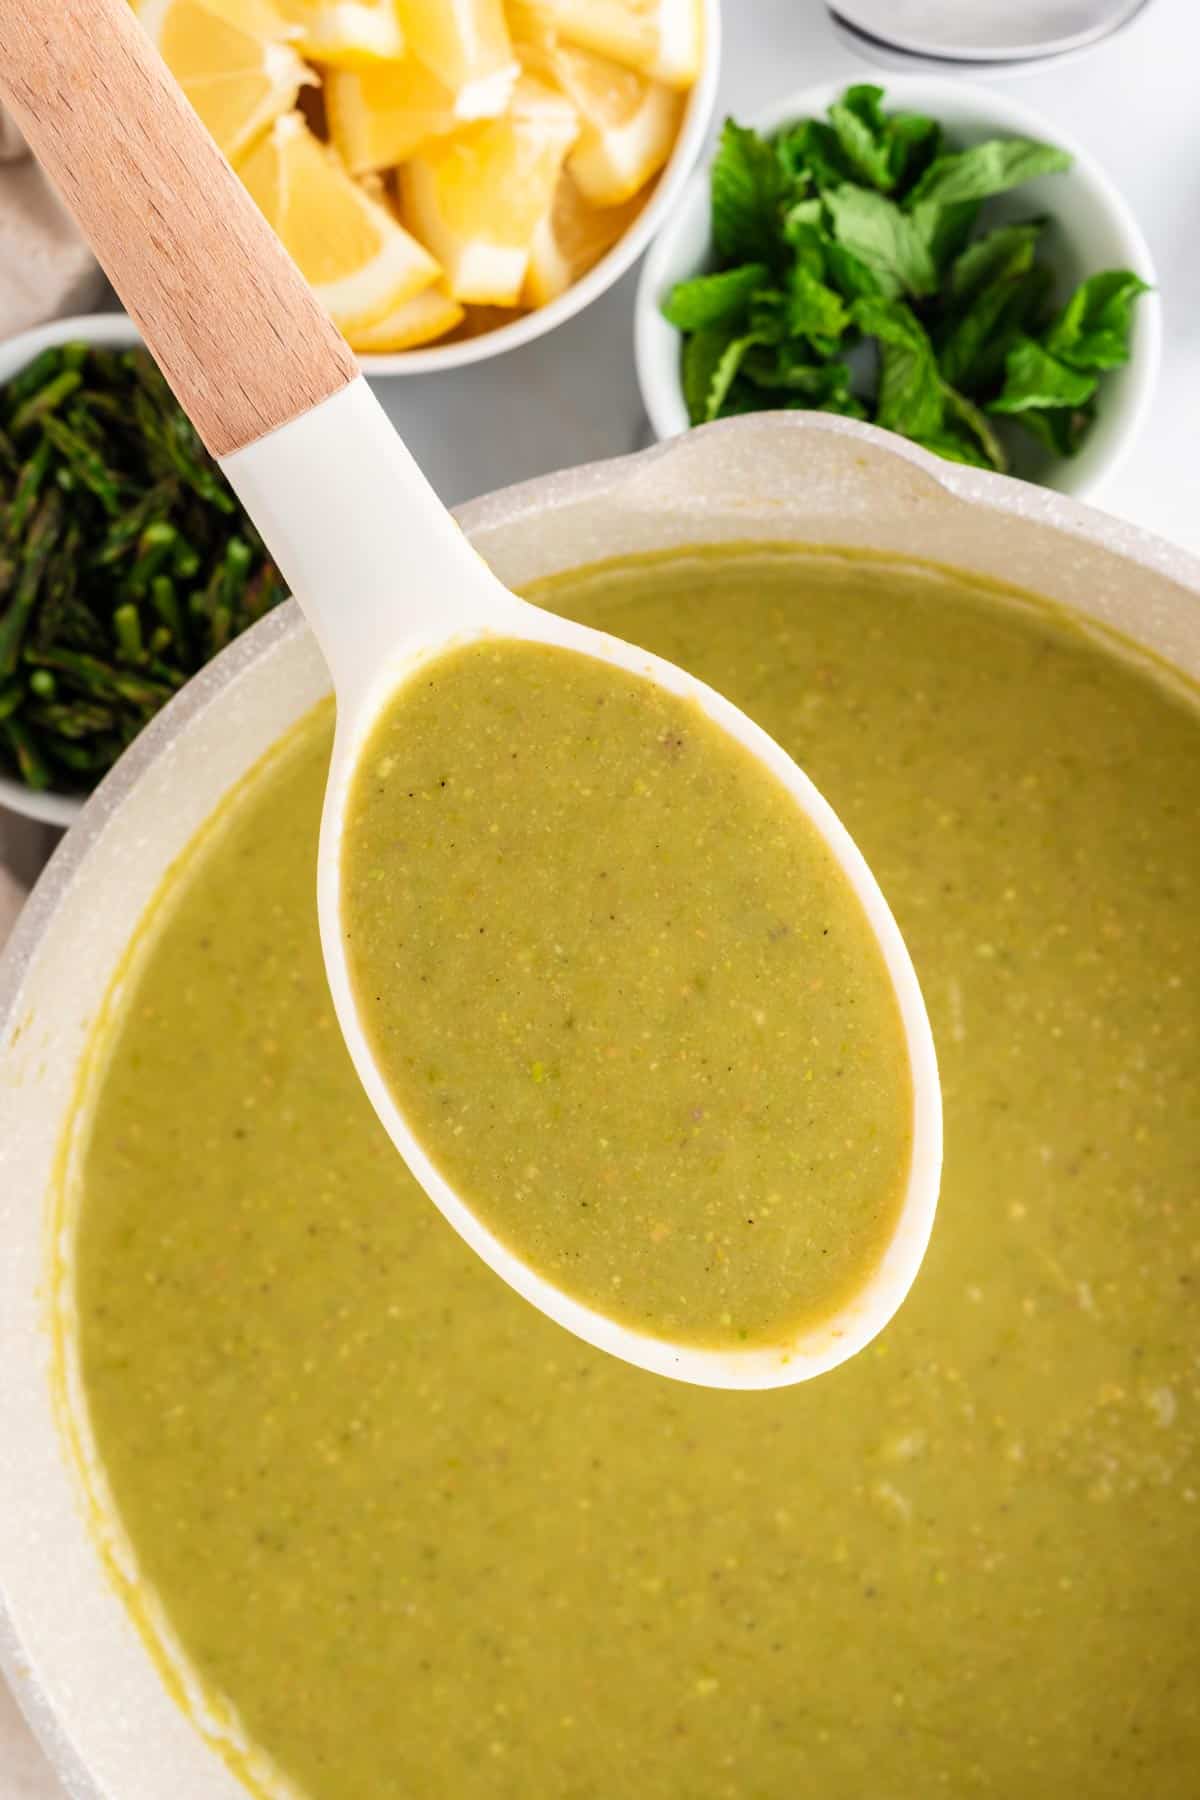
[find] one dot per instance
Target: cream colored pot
(75, 1659)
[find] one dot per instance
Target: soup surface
(624, 995)
(427, 1544)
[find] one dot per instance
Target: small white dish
(991, 31)
(1092, 229)
(885, 58)
(659, 208)
(16, 353)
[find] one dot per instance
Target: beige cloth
(46, 269)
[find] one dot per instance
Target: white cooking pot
(78, 1664)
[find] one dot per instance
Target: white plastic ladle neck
(362, 540)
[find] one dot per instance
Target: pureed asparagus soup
(624, 995)
(421, 1542)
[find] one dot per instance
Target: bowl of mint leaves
(932, 259)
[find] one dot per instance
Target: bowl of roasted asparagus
(126, 564)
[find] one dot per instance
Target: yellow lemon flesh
(231, 62)
(378, 117)
(628, 124)
(346, 33)
(662, 39)
(416, 321)
(359, 260)
(467, 46)
(476, 198)
(571, 239)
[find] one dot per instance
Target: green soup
(426, 1545)
(624, 996)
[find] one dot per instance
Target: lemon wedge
(477, 197)
(378, 117)
(466, 45)
(347, 34)
(350, 249)
(571, 239)
(418, 320)
(628, 125)
(232, 63)
(257, 18)
(662, 39)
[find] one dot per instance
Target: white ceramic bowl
(1092, 229)
(75, 1658)
(17, 353)
(661, 206)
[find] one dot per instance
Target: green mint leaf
(865, 101)
(997, 256)
(702, 352)
(1092, 331)
(844, 402)
(910, 398)
(748, 190)
(808, 238)
(985, 169)
(786, 369)
(814, 310)
(892, 245)
(782, 377)
(886, 151)
(711, 359)
(913, 142)
(945, 229)
(714, 299)
(967, 419)
(851, 277)
(1034, 379)
(861, 132)
(972, 352)
(810, 153)
(744, 397)
(955, 447)
(1060, 429)
(768, 316)
(802, 213)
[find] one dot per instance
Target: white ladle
(381, 570)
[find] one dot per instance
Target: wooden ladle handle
(232, 323)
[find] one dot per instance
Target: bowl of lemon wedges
(454, 177)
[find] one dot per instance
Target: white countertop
(573, 397)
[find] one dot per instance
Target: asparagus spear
(46, 400)
(73, 718)
(42, 369)
(85, 463)
(103, 679)
(36, 554)
(29, 486)
(35, 771)
(119, 540)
